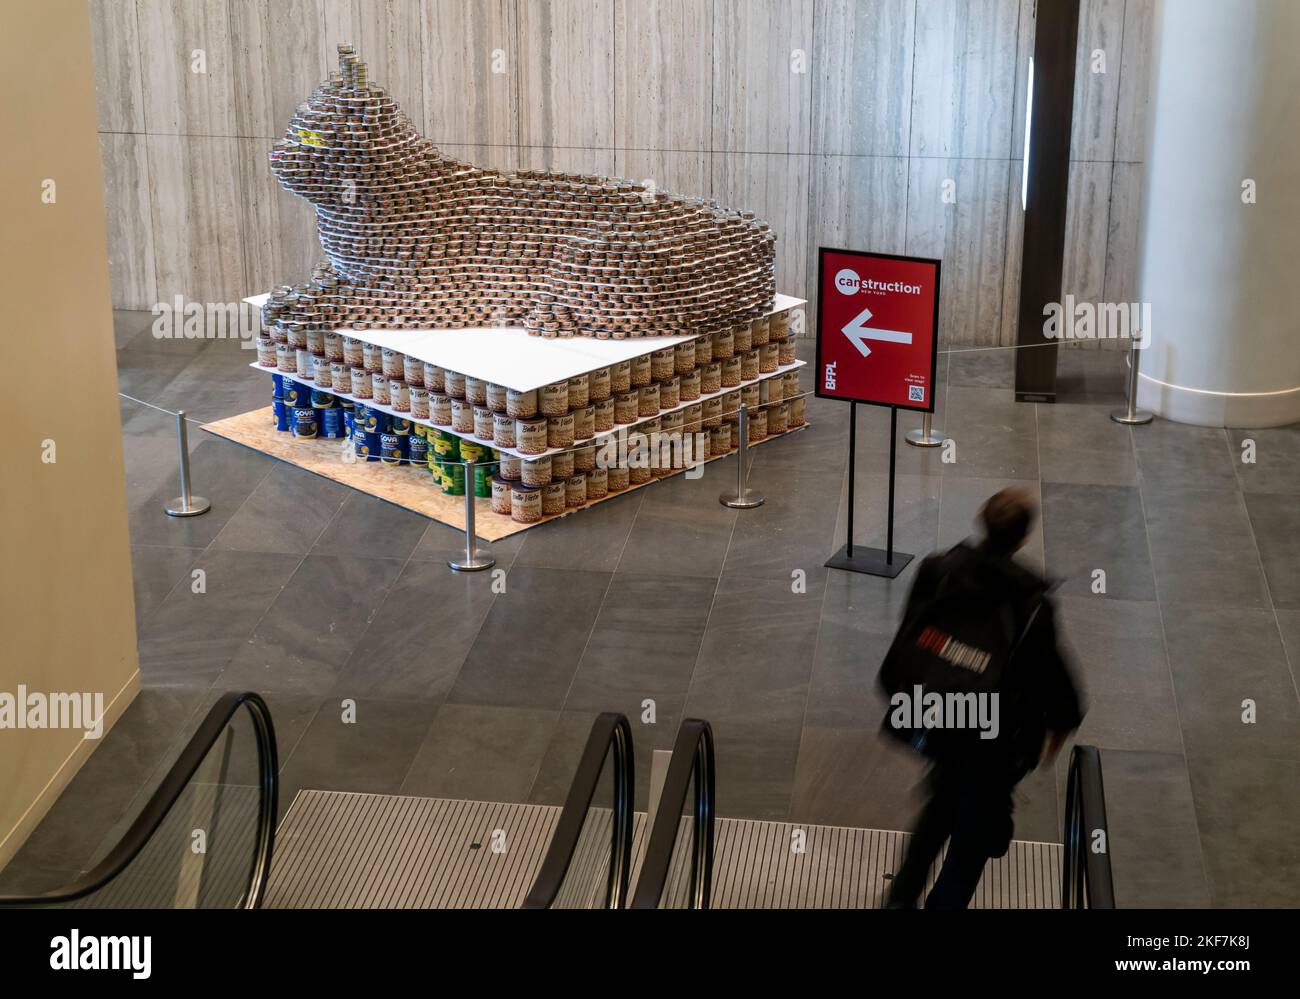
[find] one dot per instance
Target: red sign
(877, 328)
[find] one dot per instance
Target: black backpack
(959, 643)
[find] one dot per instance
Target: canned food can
(562, 465)
(484, 423)
(711, 378)
(670, 393)
(769, 358)
(598, 385)
(742, 338)
(786, 352)
(286, 359)
(283, 415)
(626, 406)
(757, 425)
(642, 371)
(417, 451)
(575, 491)
(662, 364)
(511, 467)
(536, 471)
(440, 409)
(797, 411)
(503, 430)
(372, 358)
(365, 444)
(453, 383)
(361, 385)
(419, 402)
(475, 391)
(496, 397)
(648, 400)
(531, 435)
(400, 425)
(684, 357)
(472, 451)
(604, 415)
(597, 483)
(554, 495)
(331, 423)
(559, 431)
(500, 496)
(303, 364)
(525, 504)
(379, 389)
(394, 362)
(759, 332)
(391, 448)
(731, 372)
(447, 446)
(266, 355)
(521, 405)
(724, 345)
(321, 400)
(316, 342)
(482, 481)
(432, 377)
(620, 376)
(617, 478)
(554, 398)
(749, 365)
(703, 350)
(689, 389)
(353, 352)
(579, 391)
(304, 422)
(413, 371)
(334, 346)
(778, 418)
(453, 478)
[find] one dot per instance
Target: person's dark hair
(1006, 517)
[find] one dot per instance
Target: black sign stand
(872, 561)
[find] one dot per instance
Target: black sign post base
(872, 561)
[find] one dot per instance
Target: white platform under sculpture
(509, 356)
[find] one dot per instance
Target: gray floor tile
(1155, 844)
(644, 643)
(1222, 657)
(222, 472)
(1079, 443)
(1090, 528)
(917, 504)
(191, 637)
(791, 529)
(1288, 622)
(857, 777)
(1247, 809)
(285, 513)
(420, 636)
(1276, 468)
(528, 650)
(843, 691)
(1175, 456)
(1117, 651)
(681, 528)
(370, 528)
(441, 543)
(308, 634)
(1275, 518)
(994, 368)
(155, 571)
(589, 539)
(372, 753)
(481, 753)
(1202, 548)
(996, 437)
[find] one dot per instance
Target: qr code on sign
(916, 393)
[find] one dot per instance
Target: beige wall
(67, 622)
(847, 144)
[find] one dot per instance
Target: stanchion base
(177, 507)
(478, 564)
(748, 501)
(869, 560)
(1139, 418)
(919, 438)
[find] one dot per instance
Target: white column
(1223, 276)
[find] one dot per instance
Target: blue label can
(296, 394)
(277, 385)
(365, 445)
(304, 421)
(349, 421)
(390, 449)
(401, 425)
(283, 420)
(331, 423)
(417, 450)
(321, 400)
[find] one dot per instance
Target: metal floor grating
(344, 850)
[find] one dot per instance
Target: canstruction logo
(182, 320)
(847, 282)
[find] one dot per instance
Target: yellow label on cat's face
(310, 138)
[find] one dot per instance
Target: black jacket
(1038, 685)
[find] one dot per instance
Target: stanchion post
(742, 498)
(473, 561)
(185, 505)
(925, 435)
(1130, 415)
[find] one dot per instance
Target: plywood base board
(404, 487)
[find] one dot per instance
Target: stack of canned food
(414, 238)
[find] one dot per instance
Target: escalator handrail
(610, 735)
(692, 766)
(1086, 880)
(169, 791)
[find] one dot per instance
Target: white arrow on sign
(859, 333)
